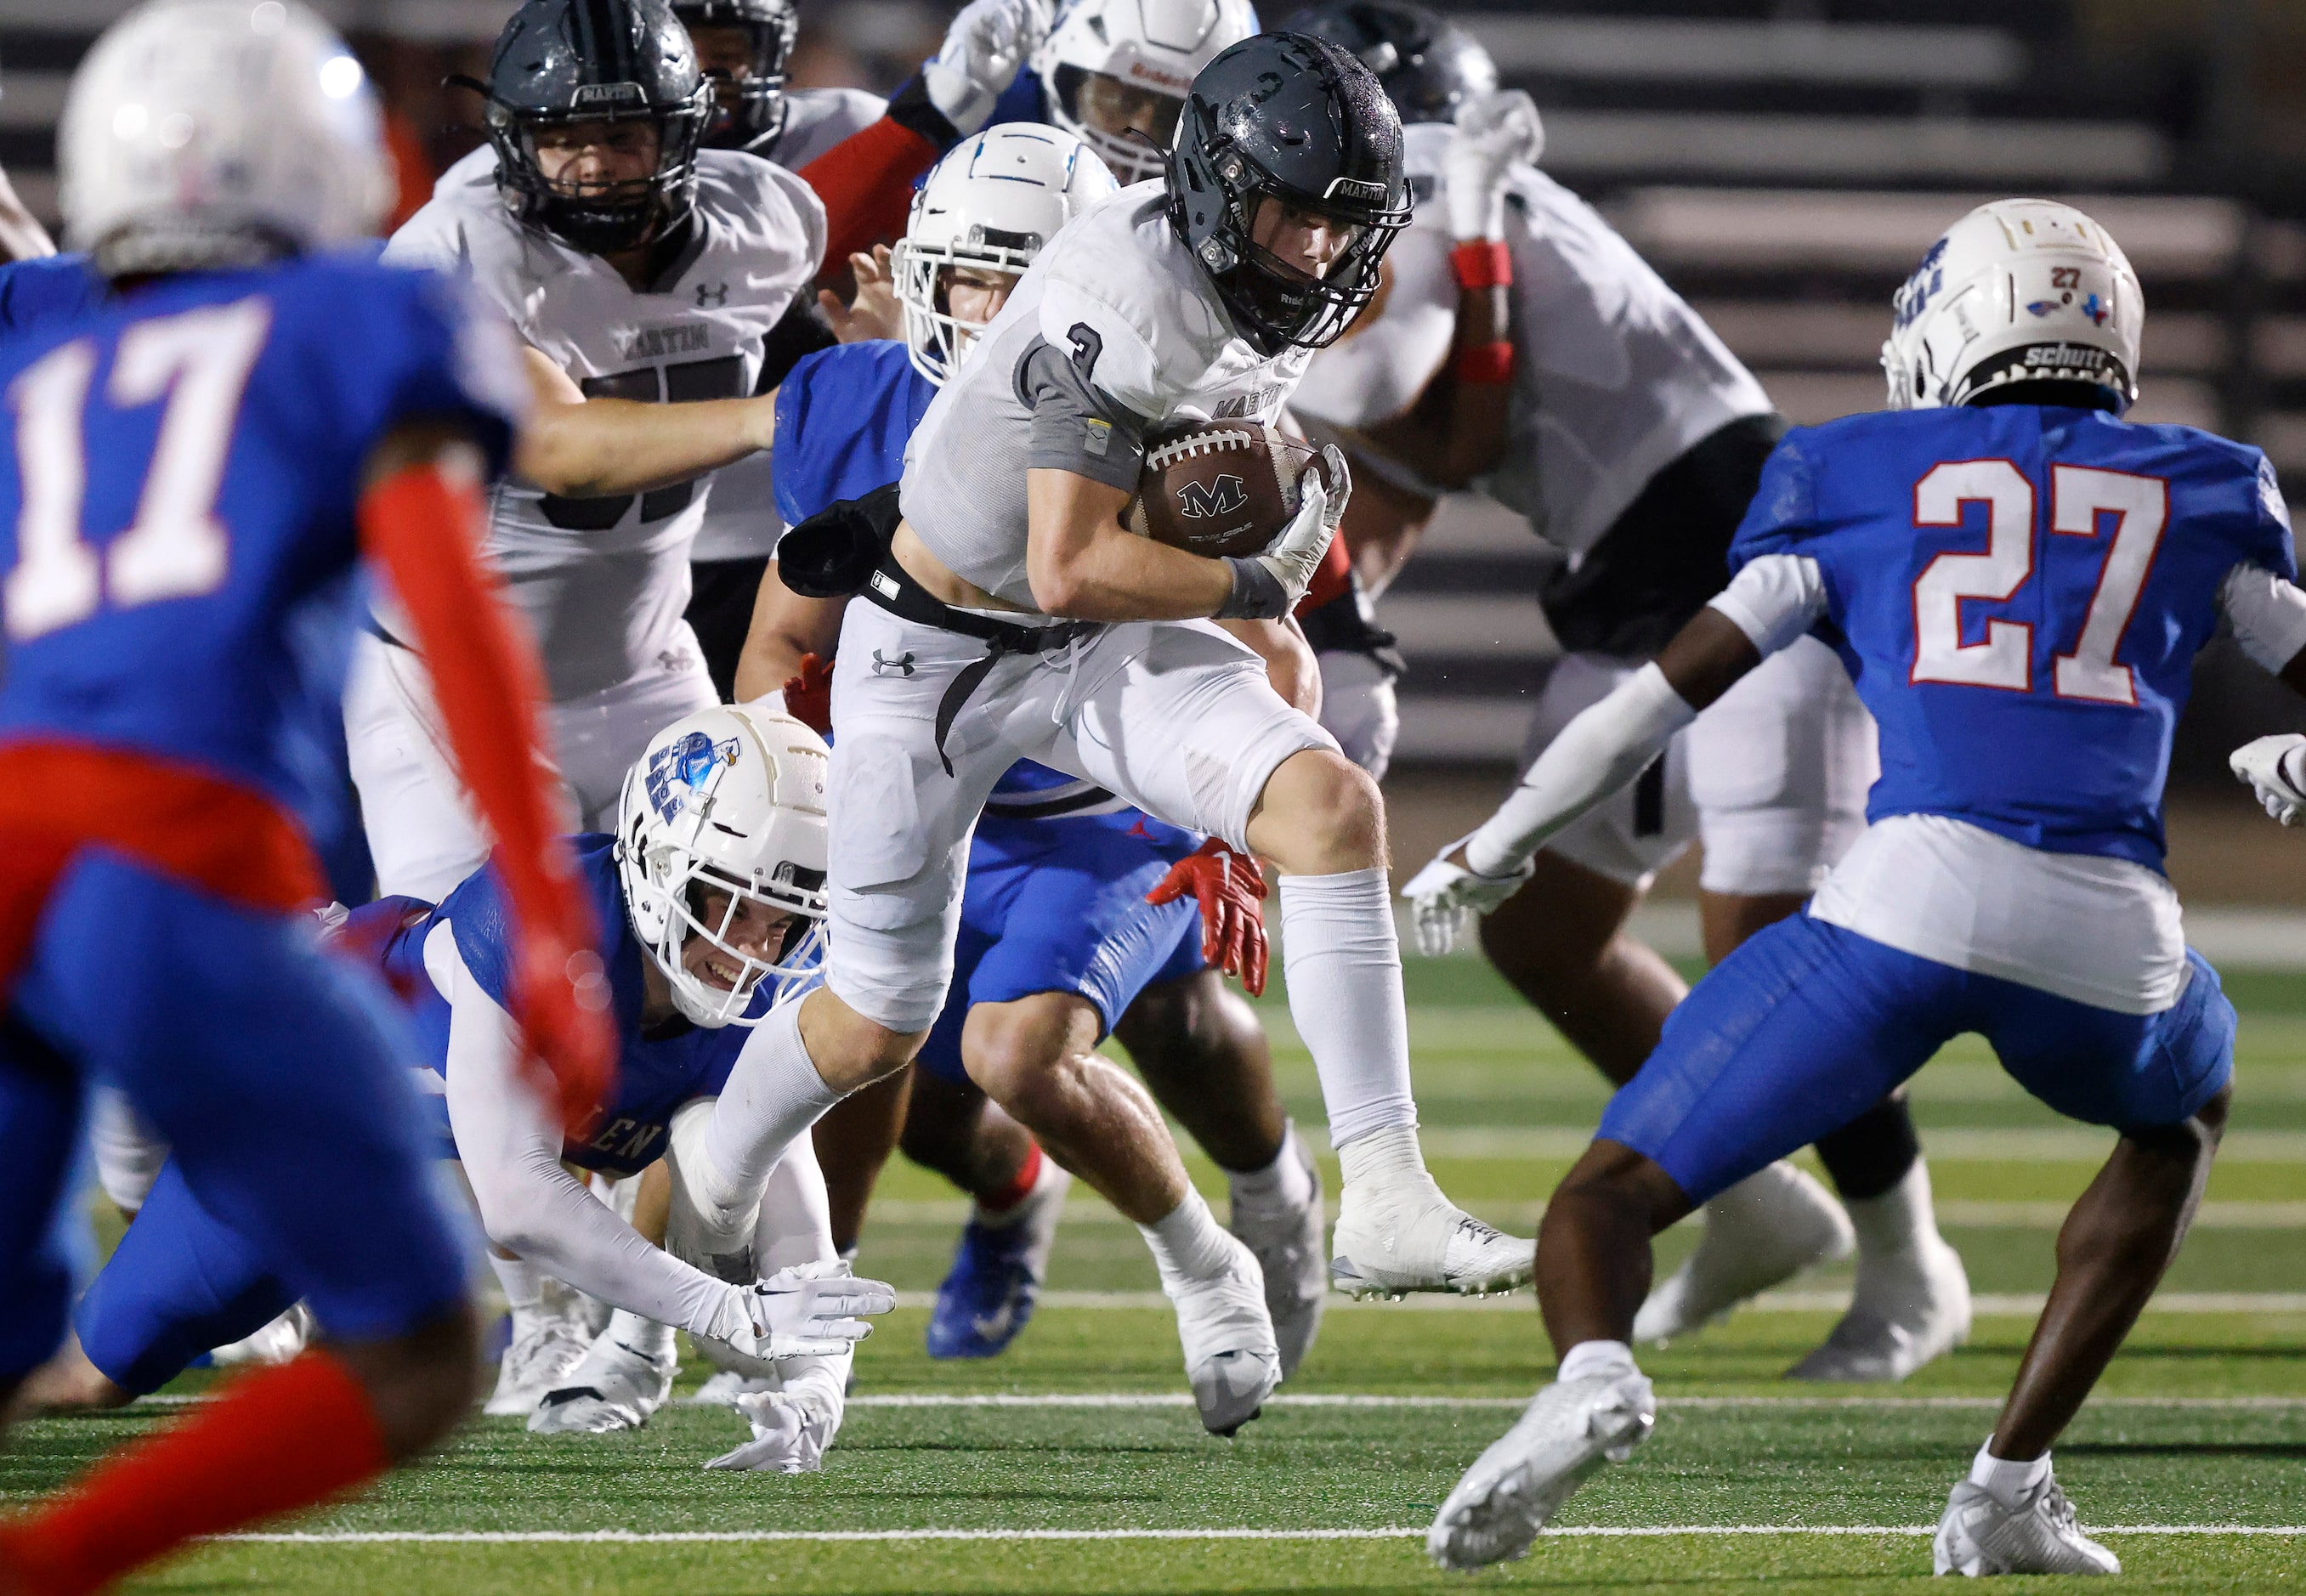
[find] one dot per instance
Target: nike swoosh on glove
(1444, 898)
(2272, 767)
(808, 1311)
(987, 42)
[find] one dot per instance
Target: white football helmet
(1149, 47)
(731, 799)
(218, 133)
(992, 202)
(2018, 290)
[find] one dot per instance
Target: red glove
(808, 697)
(1230, 887)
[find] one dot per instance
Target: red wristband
(1482, 263)
(1486, 364)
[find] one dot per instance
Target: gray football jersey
(741, 519)
(1113, 333)
(604, 581)
(1614, 375)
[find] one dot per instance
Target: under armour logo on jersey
(711, 296)
(902, 664)
(1197, 501)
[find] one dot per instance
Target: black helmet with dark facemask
(750, 110)
(1295, 121)
(1430, 66)
(563, 62)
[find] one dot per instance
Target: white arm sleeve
(2268, 615)
(530, 1204)
(1774, 600)
(1376, 373)
(1596, 754)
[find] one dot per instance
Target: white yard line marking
(752, 1537)
(1953, 1213)
(2019, 1305)
(2075, 1144)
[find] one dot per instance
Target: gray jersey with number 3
(1114, 333)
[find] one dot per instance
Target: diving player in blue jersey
(1058, 944)
(194, 471)
(2018, 582)
(709, 898)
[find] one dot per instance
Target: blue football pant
(1808, 1025)
(277, 1072)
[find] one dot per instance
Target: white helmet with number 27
(727, 801)
(2016, 291)
(218, 133)
(990, 204)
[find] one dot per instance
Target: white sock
(522, 1282)
(1189, 1244)
(2008, 1483)
(1286, 1183)
(1389, 1157)
(642, 1334)
(1895, 1221)
(1590, 1358)
(1343, 964)
(773, 1096)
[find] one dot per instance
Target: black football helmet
(570, 61)
(749, 110)
(1295, 119)
(1429, 65)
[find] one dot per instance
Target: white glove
(789, 1435)
(2272, 767)
(982, 51)
(808, 1311)
(1445, 897)
(1296, 554)
(1496, 132)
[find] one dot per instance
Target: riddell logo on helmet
(1168, 82)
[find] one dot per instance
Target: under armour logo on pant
(902, 664)
(712, 298)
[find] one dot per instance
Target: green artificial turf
(2202, 1421)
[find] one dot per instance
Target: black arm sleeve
(799, 333)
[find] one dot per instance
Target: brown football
(1218, 488)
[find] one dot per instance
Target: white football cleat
(545, 1346)
(1911, 1303)
(1402, 1235)
(1287, 1238)
(613, 1387)
(1759, 1232)
(1909, 1307)
(1567, 1433)
(1977, 1535)
(276, 1341)
(1232, 1360)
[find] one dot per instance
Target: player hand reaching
(1448, 893)
(987, 42)
(2276, 769)
(806, 1310)
(1496, 132)
(874, 312)
(1229, 885)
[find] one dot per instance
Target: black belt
(1073, 803)
(375, 629)
(893, 589)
